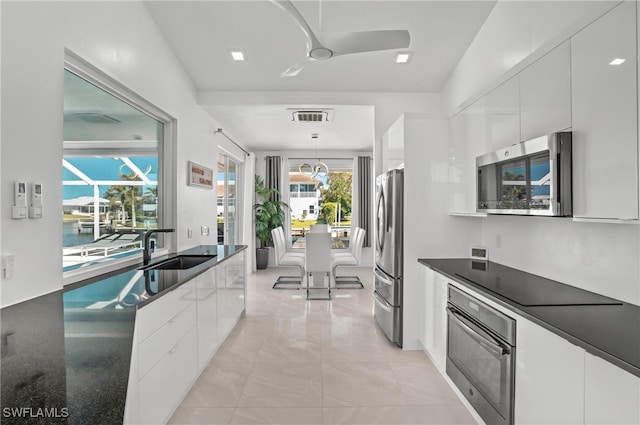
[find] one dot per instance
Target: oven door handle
(478, 334)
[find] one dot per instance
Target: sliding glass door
(229, 194)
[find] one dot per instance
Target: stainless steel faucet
(146, 253)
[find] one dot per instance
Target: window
(113, 171)
(326, 199)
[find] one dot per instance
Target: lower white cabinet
(612, 395)
(176, 336)
(207, 312)
(164, 360)
(169, 381)
(549, 377)
(557, 382)
(230, 282)
(434, 336)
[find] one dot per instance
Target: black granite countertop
(603, 326)
(65, 356)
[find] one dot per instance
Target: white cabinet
(612, 395)
(162, 389)
(545, 94)
(434, 335)
(206, 302)
(502, 107)
(467, 141)
(549, 377)
(605, 117)
(166, 355)
(393, 145)
(230, 282)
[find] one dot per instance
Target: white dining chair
(319, 228)
(318, 265)
(350, 258)
(285, 259)
(288, 248)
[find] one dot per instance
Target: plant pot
(262, 258)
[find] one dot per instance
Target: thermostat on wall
(479, 253)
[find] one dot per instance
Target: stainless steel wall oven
(481, 356)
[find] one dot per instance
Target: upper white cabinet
(467, 141)
(545, 94)
(393, 145)
(503, 115)
(605, 117)
(612, 395)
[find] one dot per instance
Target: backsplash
(597, 257)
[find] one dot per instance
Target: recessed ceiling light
(403, 57)
(617, 61)
(237, 55)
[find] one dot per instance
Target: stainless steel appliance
(481, 356)
(389, 254)
(529, 178)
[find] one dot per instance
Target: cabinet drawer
(163, 388)
(153, 316)
(152, 349)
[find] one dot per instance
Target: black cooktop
(527, 289)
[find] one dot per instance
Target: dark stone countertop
(66, 355)
(603, 326)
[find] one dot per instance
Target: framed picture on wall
(200, 175)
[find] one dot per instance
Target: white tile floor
(292, 361)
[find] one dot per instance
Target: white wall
(430, 232)
(603, 258)
(122, 40)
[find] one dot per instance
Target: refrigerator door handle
(379, 276)
(382, 303)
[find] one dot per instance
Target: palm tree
(128, 195)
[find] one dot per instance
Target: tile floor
(292, 361)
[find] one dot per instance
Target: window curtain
(248, 228)
(277, 177)
(273, 176)
(363, 196)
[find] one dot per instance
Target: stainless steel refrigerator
(389, 254)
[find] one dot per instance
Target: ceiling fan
(340, 43)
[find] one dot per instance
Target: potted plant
(268, 215)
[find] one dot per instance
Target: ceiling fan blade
(312, 40)
(344, 43)
(293, 70)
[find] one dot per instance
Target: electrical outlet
(189, 233)
(204, 231)
(8, 266)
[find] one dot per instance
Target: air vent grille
(311, 115)
(95, 118)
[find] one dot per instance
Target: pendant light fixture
(319, 169)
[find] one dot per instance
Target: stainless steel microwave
(529, 178)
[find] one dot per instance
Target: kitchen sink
(181, 262)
